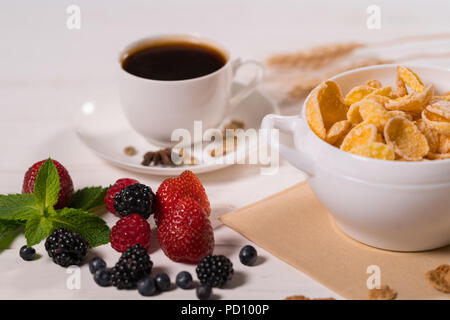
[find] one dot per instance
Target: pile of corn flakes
(407, 123)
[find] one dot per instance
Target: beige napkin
(294, 226)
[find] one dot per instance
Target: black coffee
(173, 61)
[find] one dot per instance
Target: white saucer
(101, 125)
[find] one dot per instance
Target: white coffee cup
(155, 108)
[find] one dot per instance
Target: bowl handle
(293, 125)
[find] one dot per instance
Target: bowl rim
(345, 154)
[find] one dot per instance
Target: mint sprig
(89, 199)
(46, 186)
(9, 229)
(37, 211)
(18, 207)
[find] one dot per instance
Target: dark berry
(27, 253)
(66, 247)
(146, 286)
(248, 255)
(135, 198)
(184, 280)
(214, 270)
(96, 264)
(204, 291)
(133, 265)
(162, 281)
(103, 277)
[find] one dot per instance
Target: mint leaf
(90, 226)
(89, 198)
(18, 206)
(9, 229)
(37, 229)
(46, 186)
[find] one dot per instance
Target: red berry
(186, 235)
(173, 189)
(65, 194)
(112, 191)
(129, 231)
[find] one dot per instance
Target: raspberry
(186, 235)
(113, 190)
(136, 198)
(214, 270)
(173, 189)
(133, 265)
(66, 193)
(130, 230)
(66, 247)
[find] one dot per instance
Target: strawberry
(66, 193)
(173, 189)
(113, 190)
(186, 235)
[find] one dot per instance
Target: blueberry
(96, 264)
(103, 277)
(248, 255)
(146, 286)
(184, 280)
(27, 253)
(162, 281)
(204, 291)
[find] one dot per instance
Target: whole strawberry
(66, 192)
(129, 231)
(173, 189)
(186, 235)
(113, 190)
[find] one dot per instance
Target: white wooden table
(48, 71)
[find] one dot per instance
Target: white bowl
(394, 205)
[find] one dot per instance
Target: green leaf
(9, 229)
(18, 206)
(89, 198)
(46, 187)
(90, 226)
(37, 229)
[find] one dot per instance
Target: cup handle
(294, 126)
(249, 87)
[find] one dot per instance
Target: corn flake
(325, 107)
(413, 102)
(406, 139)
(359, 135)
(338, 131)
(440, 107)
(400, 87)
(432, 136)
(436, 122)
(375, 150)
(357, 94)
(411, 79)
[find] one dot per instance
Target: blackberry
(248, 255)
(27, 253)
(214, 270)
(66, 247)
(133, 265)
(135, 198)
